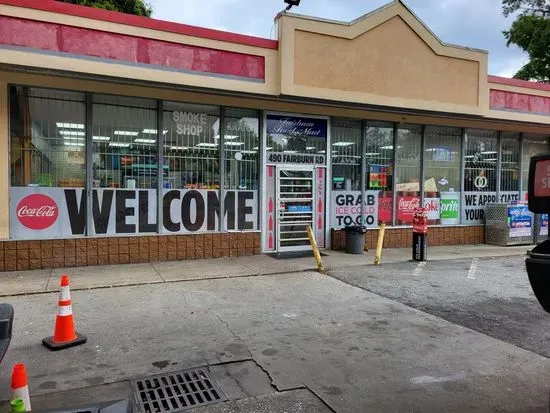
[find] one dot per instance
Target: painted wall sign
(297, 126)
(346, 209)
(38, 213)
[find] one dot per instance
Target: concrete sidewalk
(105, 276)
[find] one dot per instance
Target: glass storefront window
(346, 155)
(242, 141)
(380, 167)
(480, 174)
(510, 174)
(192, 146)
(241, 152)
(124, 136)
(48, 138)
(408, 172)
(442, 174)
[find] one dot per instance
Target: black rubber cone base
(48, 342)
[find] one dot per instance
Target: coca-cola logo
(409, 204)
(37, 211)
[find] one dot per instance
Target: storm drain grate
(174, 392)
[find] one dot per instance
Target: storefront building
(125, 139)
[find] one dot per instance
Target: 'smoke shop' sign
(38, 213)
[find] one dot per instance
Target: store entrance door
(295, 206)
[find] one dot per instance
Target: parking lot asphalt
(489, 295)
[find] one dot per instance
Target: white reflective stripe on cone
(23, 394)
(65, 294)
(65, 310)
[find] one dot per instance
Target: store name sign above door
(298, 158)
(38, 213)
(296, 126)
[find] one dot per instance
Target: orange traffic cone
(20, 385)
(64, 335)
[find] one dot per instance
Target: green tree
(137, 7)
(531, 33)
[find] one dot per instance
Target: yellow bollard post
(316, 253)
(380, 244)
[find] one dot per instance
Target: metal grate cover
(175, 392)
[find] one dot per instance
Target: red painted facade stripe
(94, 43)
(519, 102)
(144, 22)
(519, 83)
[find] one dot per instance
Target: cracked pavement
(294, 342)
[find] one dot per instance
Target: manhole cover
(174, 392)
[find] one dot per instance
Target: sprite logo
(449, 208)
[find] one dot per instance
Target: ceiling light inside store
(290, 151)
(126, 133)
(71, 133)
(389, 147)
(119, 145)
(206, 145)
(491, 160)
(145, 140)
(342, 144)
(372, 153)
(310, 148)
(488, 152)
(74, 144)
(179, 148)
(321, 151)
(153, 131)
(234, 143)
(101, 138)
(73, 138)
(70, 125)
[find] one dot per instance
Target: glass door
(295, 202)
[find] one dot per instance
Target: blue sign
(299, 208)
(520, 221)
(297, 126)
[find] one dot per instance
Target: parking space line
(419, 268)
(473, 269)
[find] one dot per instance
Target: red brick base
(402, 237)
(30, 255)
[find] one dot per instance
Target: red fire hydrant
(420, 235)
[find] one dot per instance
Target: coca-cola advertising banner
(406, 205)
(40, 213)
(346, 208)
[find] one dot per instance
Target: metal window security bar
(96, 142)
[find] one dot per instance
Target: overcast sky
(473, 23)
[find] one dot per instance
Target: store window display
(408, 172)
(48, 138)
(480, 174)
(442, 156)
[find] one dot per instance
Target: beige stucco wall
(386, 58)
(279, 105)
(389, 60)
(4, 161)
